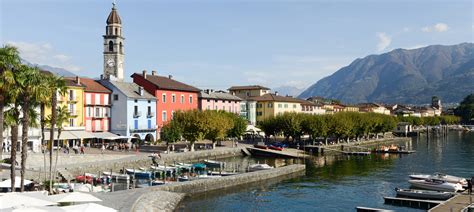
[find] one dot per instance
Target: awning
(106, 135)
(82, 134)
(65, 135)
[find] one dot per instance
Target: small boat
(436, 185)
(206, 176)
(157, 182)
(258, 167)
(260, 146)
(183, 178)
(439, 176)
(275, 148)
(138, 173)
(164, 168)
(213, 163)
(223, 173)
(117, 176)
(424, 194)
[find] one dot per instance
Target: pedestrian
(102, 149)
(469, 185)
(82, 149)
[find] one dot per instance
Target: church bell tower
(113, 47)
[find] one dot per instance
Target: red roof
(166, 83)
(93, 86)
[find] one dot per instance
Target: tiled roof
(129, 89)
(94, 86)
(273, 97)
(247, 87)
(167, 83)
(218, 95)
(71, 82)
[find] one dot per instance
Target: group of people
(6, 146)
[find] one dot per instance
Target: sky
(220, 43)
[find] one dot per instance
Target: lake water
(340, 183)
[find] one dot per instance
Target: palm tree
(63, 116)
(57, 85)
(9, 60)
(12, 120)
(27, 80)
(44, 100)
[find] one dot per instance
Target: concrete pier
(456, 203)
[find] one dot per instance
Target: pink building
(219, 100)
(96, 106)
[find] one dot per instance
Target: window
(149, 111)
(208, 100)
(294, 105)
(116, 31)
(115, 97)
(136, 100)
(106, 99)
(173, 98)
(135, 123)
(97, 112)
(286, 105)
(163, 116)
(149, 124)
(259, 113)
(88, 112)
(182, 99)
(135, 110)
(121, 48)
(71, 95)
(111, 46)
(88, 99)
(190, 99)
(208, 107)
(71, 122)
(149, 101)
(163, 98)
(269, 105)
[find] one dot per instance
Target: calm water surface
(340, 183)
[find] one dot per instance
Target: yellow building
(270, 105)
(74, 100)
(248, 91)
(351, 108)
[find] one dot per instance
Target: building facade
(270, 105)
(248, 106)
(133, 110)
(96, 106)
(171, 95)
(219, 100)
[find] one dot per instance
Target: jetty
(322, 149)
(456, 203)
(285, 153)
(413, 203)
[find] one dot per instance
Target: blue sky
(220, 43)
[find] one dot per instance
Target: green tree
(290, 125)
(466, 109)
(239, 126)
(63, 116)
(9, 61)
(171, 133)
(193, 124)
(217, 124)
(270, 126)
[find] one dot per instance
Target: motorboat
(139, 173)
(213, 163)
(163, 168)
(258, 167)
(436, 185)
(440, 176)
(117, 176)
(183, 178)
(424, 194)
(223, 173)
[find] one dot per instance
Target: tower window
(116, 31)
(121, 48)
(111, 46)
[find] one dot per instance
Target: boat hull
(420, 194)
(449, 187)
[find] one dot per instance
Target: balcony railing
(142, 129)
(150, 114)
(137, 114)
(73, 112)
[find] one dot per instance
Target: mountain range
(58, 71)
(288, 90)
(403, 76)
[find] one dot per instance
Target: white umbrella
(8, 183)
(74, 197)
(11, 200)
(88, 207)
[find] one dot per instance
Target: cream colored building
(270, 105)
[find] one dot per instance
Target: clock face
(110, 63)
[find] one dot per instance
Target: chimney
(144, 74)
(78, 80)
(140, 90)
(153, 72)
(101, 76)
(170, 76)
(276, 93)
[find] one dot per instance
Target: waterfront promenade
(457, 203)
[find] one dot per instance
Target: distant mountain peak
(403, 76)
(58, 71)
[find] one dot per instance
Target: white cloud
(384, 41)
(44, 54)
(439, 27)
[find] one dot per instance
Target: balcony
(99, 116)
(73, 112)
(150, 114)
(143, 129)
(137, 114)
(72, 99)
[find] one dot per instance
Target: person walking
(102, 149)
(469, 185)
(82, 149)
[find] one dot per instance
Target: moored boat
(213, 163)
(424, 194)
(260, 146)
(436, 185)
(223, 173)
(139, 173)
(258, 167)
(275, 148)
(439, 176)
